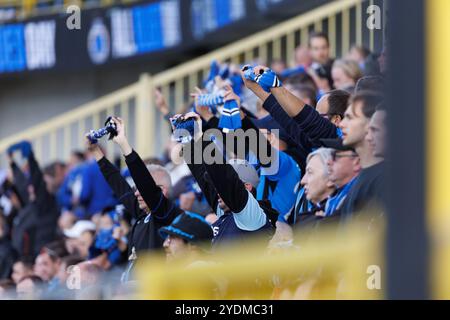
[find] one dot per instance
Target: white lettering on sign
(40, 44)
(122, 33)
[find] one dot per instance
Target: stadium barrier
(55, 138)
(328, 265)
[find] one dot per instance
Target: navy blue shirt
(281, 186)
(366, 191)
(306, 128)
(239, 225)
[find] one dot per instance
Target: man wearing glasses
(344, 168)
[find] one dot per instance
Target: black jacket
(7, 258)
(306, 128)
(366, 193)
(221, 179)
(24, 230)
(144, 233)
(36, 223)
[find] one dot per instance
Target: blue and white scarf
(335, 202)
(231, 117)
(267, 80)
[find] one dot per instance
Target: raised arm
(302, 141)
(228, 185)
(19, 180)
(224, 178)
(198, 170)
(313, 125)
(36, 177)
(288, 101)
(261, 81)
(159, 205)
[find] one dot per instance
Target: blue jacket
(65, 192)
(281, 187)
(95, 192)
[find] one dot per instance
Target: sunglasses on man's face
(335, 155)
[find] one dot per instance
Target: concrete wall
(25, 101)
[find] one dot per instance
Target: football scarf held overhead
(335, 202)
(231, 117)
(267, 80)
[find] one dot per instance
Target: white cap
(245, 171)
(78, 228)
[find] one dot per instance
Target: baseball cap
(78, 228)
(245, 171)
(336, 144)
(190, 226)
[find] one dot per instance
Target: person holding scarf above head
(148, 205)
(230, 189)
(280, 178)
(292, 113)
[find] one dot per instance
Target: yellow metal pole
(290, 49)
(145, 117)
(345, 31)
(438, 137)
(304, 36)
(372, 34)
(67, 135)
(318, 26)
(332, 34)
(276, 49)
(359, 24)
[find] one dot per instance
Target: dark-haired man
(332, 105)
(367, 189)
(319, 47)
(22, 268)
(372, 83)
(48, 261)
(376, 136)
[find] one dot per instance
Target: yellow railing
(328, 265)
(53, 139)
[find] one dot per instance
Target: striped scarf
(334, 202)
(231, 117)
(267, 80)
(211, 101)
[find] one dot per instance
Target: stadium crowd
(321, 121)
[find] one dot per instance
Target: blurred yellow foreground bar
(332, 264)
(438, 132)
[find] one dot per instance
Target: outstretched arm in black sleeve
(161, 207)
(198, 170)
